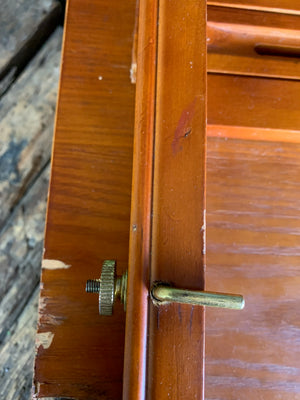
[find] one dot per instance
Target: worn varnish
(79, 353)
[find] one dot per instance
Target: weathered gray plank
(17, 355)
(18, 19)
(21, 247)
(41, 31)
(26, 125)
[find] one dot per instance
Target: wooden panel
(79, 353)
(175, 355)
(253, 102)
(281, 6)
(253, 204)
(253, 43)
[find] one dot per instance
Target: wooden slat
(26, 124)
(257, 102)
(250, 133)
(253, 43)
(176, 341)
(253, 204)
(79, 353)
(135, 363)
(280, 6)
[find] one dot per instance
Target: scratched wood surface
(79, 353)
(243, 176)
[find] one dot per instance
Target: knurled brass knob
(109, 287)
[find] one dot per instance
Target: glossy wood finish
(135, 359)
(250, 133)
(253, 43)
(280, 6)
(79, 353)
(257, 102)
(176, 337)
(253, 203)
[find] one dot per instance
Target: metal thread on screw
(92, 286)
(109, 287)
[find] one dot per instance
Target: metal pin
(162, 294)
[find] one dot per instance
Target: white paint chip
(44, 339)
(100, 77)
(54, 264)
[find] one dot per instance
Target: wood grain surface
(79, 353)
(176, 337)
(257, 102)
(135, 357)
(253, 43)
(253, 211)
(280, 6)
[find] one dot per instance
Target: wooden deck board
(26, 126)
(18, 20)
(27, 115)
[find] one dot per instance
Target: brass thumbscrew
(110, 287)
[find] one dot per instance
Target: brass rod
(163, 294)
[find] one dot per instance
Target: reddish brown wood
(140, 227)
(253, 43)
(176, 337)
(257, 102)
(250, 133)
(80, 354)
(280, 6)
(253, 203)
